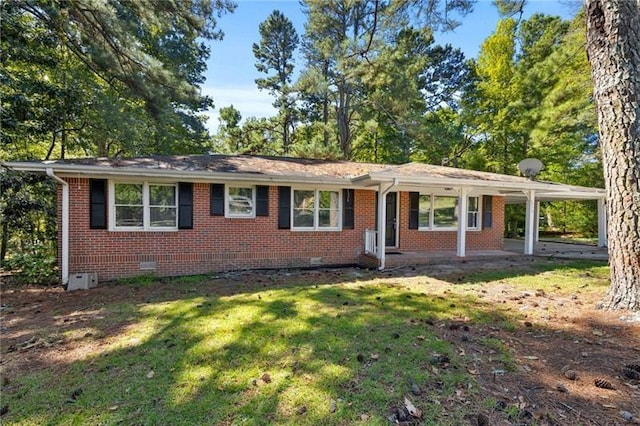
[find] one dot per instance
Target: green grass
(201, 358)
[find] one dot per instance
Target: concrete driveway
(560, 250)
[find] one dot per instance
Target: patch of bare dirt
(566, 360)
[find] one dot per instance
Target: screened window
(473, 210)
(129, 205)
(441, 212)
(314, 209)
(162, 206)
(329, 209)
(144, 206)
(445, 212)
(240, 201)
(424, 211)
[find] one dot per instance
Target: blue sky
(231, 72)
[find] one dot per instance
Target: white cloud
(250, 101)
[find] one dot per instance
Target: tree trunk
(613, 41)
(325, 106)
(4, 242)
(342, 116)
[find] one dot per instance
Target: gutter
(65, 225)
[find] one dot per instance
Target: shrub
(33, 268)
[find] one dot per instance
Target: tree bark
(4, 242)
(613, 46)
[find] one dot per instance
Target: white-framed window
(440, 212)
(473, 213)
(316, 209)
(424, 212)
(144, 206)
(445, 212)
(240, 201)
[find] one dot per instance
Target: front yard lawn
(341, 346)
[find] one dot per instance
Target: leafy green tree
(535, 101)
(374, 75)
(275, 52)
(336, 30)
(392, 101)
(151, 48)
(408, 90)
(495, 92)
(229, 137)
(93, 66)
(27, 214)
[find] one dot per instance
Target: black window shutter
(185, 205)
(377, 197)
(98, 204)
(347, 208)
(262, 201)
(414, 207)
(284, 207)
(487, 211)
(217, 199)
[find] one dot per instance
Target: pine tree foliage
(275, 52)
(104, 78)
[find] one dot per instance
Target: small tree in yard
(28, 226)
(613, 46)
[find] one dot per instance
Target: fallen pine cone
(631, 373)
(603, 384)
(266, 378)
(633, 366)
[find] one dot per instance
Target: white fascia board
(572, 194)
(549, 189)
(71, 170)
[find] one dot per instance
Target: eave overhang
(513, 188)
(513, 191)
(72, 170)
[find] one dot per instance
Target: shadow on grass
(263, 352)
(277, 355)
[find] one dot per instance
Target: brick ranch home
(182, 215)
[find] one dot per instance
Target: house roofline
(72, 170)
(545, 191)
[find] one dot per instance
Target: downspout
(382, 218)
(65, 226)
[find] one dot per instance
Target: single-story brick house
(180, 215)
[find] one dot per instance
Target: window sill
(315, 229)
(446, 229)
(144, 230)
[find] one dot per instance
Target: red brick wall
(485, 239)
(217, 243)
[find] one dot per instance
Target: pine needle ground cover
(344, 346)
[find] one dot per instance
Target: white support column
(462, 222)
(602, 223)
(529, 223)
(536, 222)
(382, 218)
